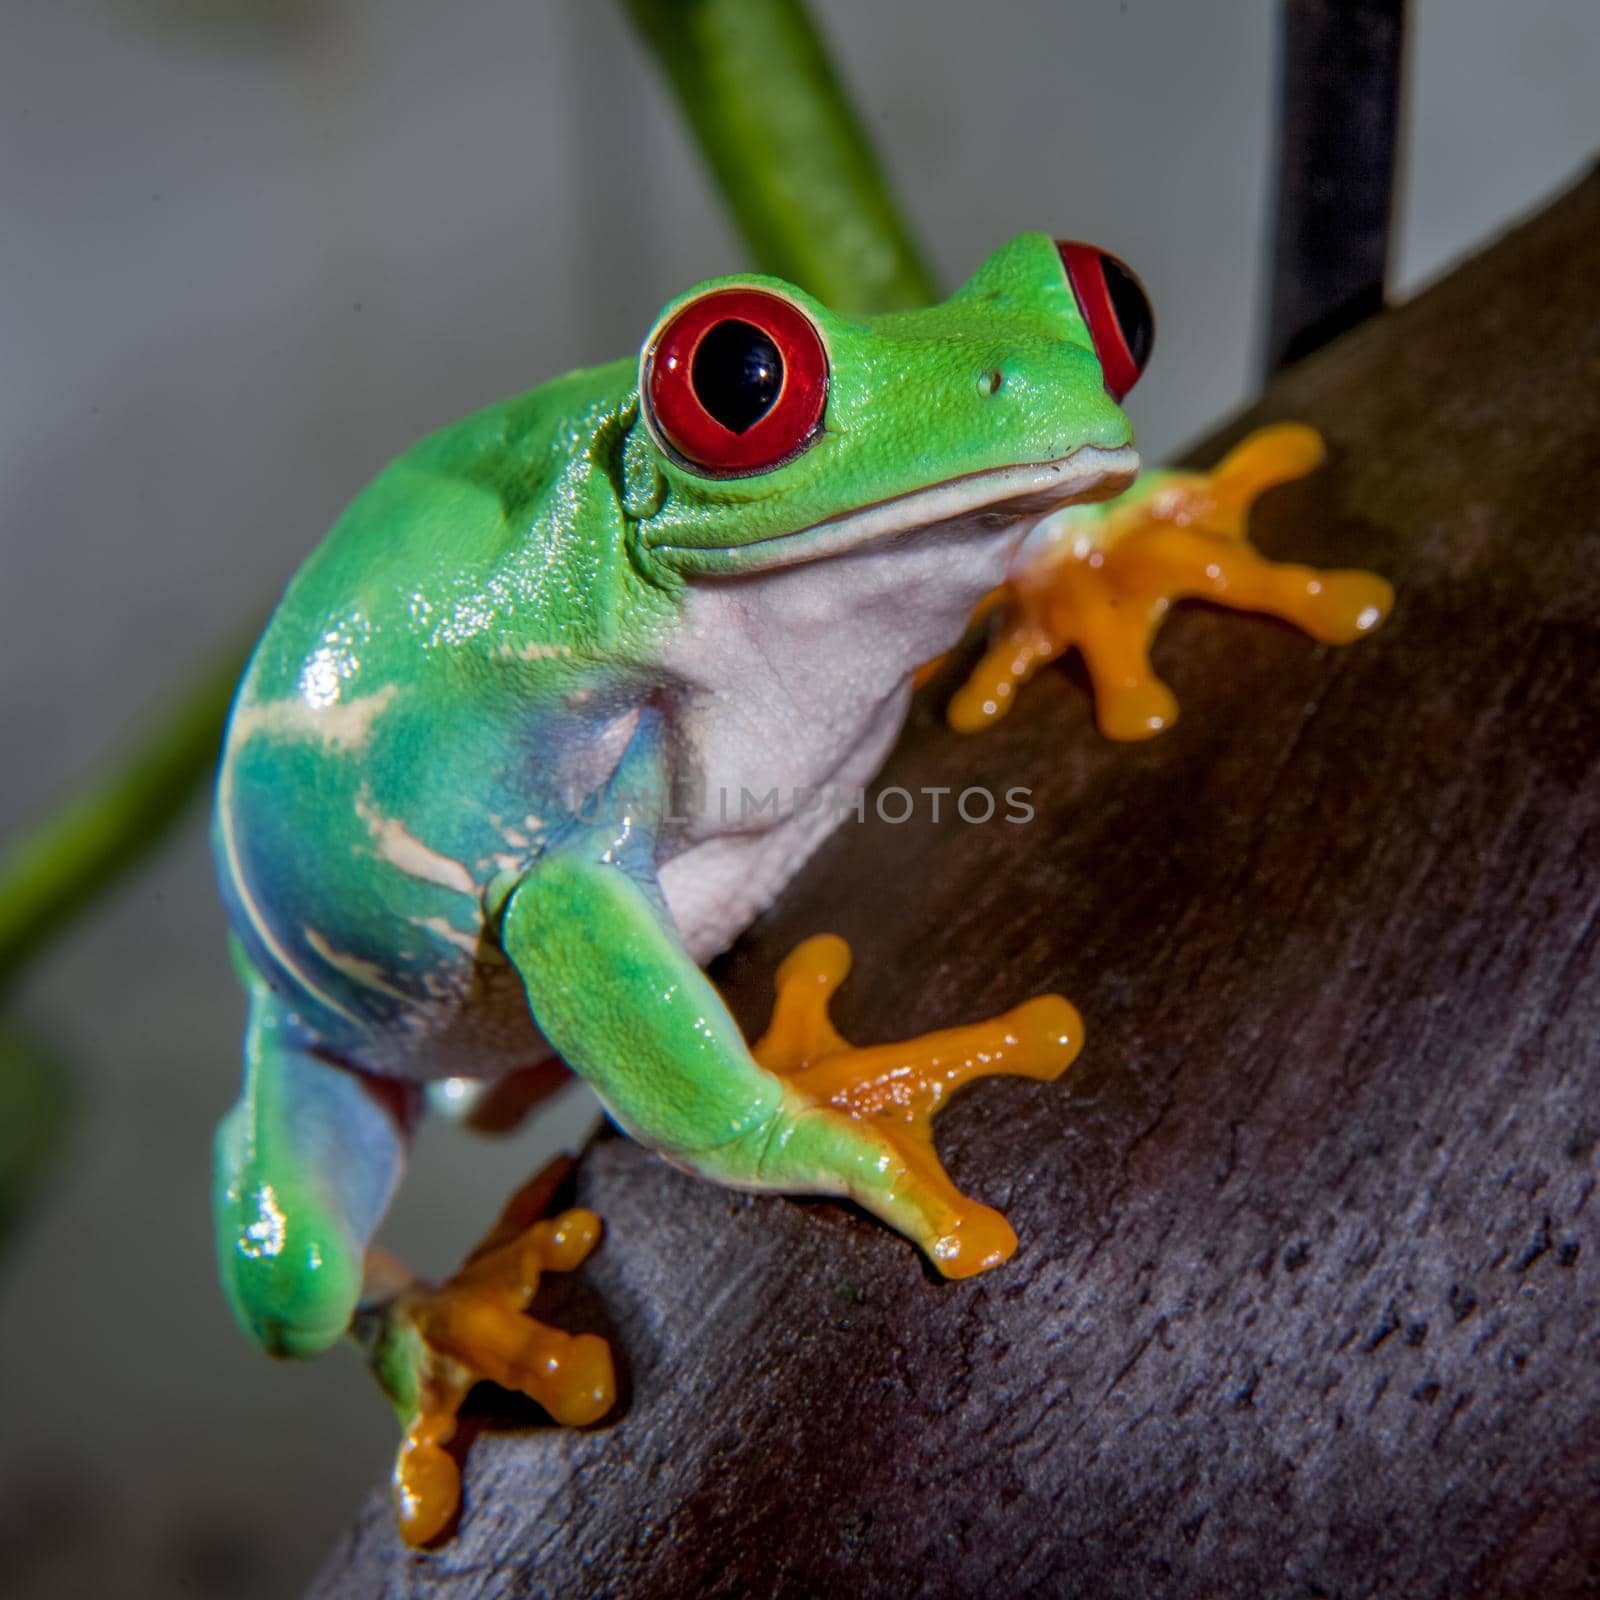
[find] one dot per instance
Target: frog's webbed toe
(1106, 591)
(430, 1344)
(897, 1088)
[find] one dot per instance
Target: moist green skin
(476, 649)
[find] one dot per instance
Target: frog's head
(781, 432)
(919, 445)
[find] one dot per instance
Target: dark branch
(1307, 1295)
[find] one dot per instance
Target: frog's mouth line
(986, 501)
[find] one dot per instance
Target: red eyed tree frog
(473, 809)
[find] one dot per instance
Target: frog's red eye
(736, 382)
(1115, 306)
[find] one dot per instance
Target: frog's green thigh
(305, 1164)
(615, 992)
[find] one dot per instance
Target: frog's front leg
(616, 993)
(1102, 579)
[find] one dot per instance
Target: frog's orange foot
(898, 1088)
(1105, 585)
(437, 1342)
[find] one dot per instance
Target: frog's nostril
(990, 382)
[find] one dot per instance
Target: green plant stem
(754, 82)
(47, 874)
(36, 1102)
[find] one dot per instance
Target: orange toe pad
(442, 1340)
(899, 1087)
(1106, 590)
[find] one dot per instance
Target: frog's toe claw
(427, 1488)
(1136, 710)
(1105, 583)
(1342, 606)
(576, 1384)
(1019, 648)
(898, 1088)
(434, 1343)
(981, 1239)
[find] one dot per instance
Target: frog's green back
(389, 752)
(497, 533)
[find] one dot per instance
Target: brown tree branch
(1307, 1297)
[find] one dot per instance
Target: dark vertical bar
(1336, 163)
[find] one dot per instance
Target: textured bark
(1306, 1300)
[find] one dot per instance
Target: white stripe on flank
(247, 903)
(450, 934)
(403, 849)
(367, 973)
(344, 727)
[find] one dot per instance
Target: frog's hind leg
(305, 1165)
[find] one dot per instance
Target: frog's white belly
(717, 887)
(793, 685)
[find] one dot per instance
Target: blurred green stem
(755, 84)
(47, 874)
(35, 1107)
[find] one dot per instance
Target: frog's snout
(1116, 309)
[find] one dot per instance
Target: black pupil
(1132, 309)
(737, 374)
